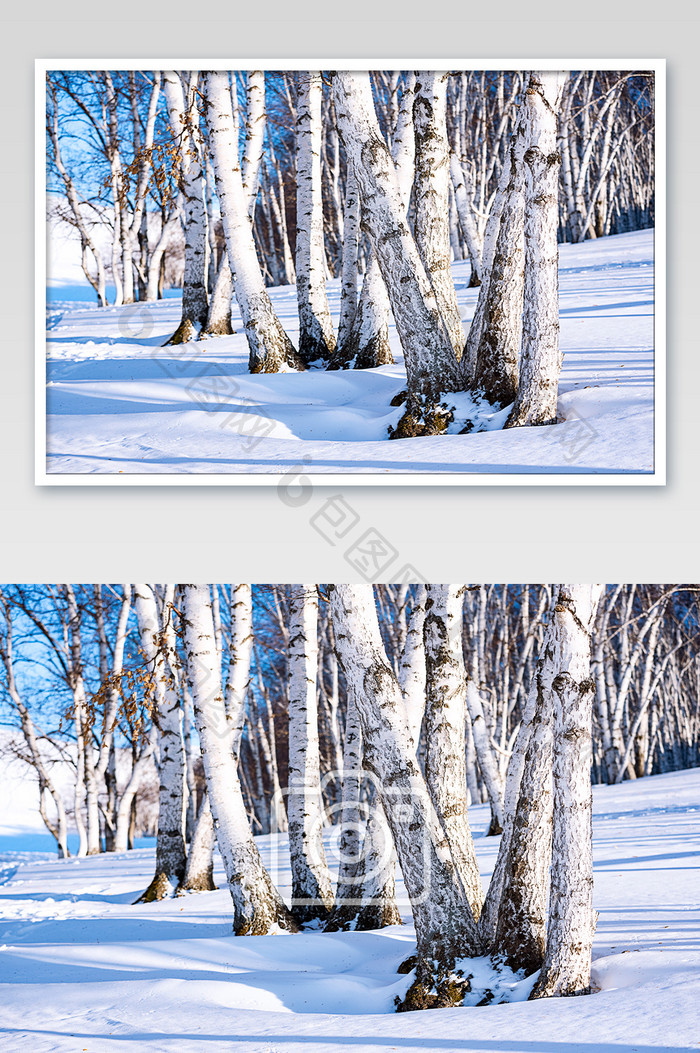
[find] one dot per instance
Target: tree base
(363, 919)
(185, 332)
(202, 882)
(162, 887)
(221, 328)
(438, 985)
(423, 416)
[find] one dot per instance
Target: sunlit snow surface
(83, 969)
(120, 402)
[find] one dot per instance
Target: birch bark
(183, 114)
(540, 359)
(316, 336)
(445, 926)
(257, 905)
(431, 197)
(431, 364)
(567, 962)
(270, 347)
(312, 896)
(170, 844)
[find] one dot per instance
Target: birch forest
(352, 731)
(230, 186)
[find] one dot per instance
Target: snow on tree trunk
(312, 896)
(316, 337)
(378, 907)
(445, 717)
(431, 196)
(183, 115)
(199, 875)
(567, 963)
(496, 357)
(445, 926)
(485, 758)
(170, 843)
(431, 365)
(540, 359)
(348, 278)
(270, 347)
(257, 905)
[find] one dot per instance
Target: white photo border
(437, 478)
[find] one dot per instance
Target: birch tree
(170, 844)
(431, 364)
(312, 896)
(430, 190)
(270, 347)
(540, 359)
(316, 336)
(567, 961)
(183, 114)
(257, 906)
(445, 926)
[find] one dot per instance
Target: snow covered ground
(120, 404)
(82, 969)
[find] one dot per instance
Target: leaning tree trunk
(445, 718)
(431, 196)
(183, 116)
(170, 843)
(312, 895)
(567, 963)
(431, 365)
(540, 360)
(445, 926)
(257, 905)
(316, 336)
(270, 347)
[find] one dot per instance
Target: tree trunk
(184, 120)
(431, 365)
(170, 844)
(316, 337)
(199, 875)
(445, 717)
(348, 279)
(270, 347)
(431, 197)
(219, 316)
(567, 963)
(257, 905)
(312, 896)
(445, 926)
(540, 360)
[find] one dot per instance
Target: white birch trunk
(431, 196)
(316, 336)
(445, 926)
(199, 873)
(257, 905)
(540, 359)
(219, 315)
(170, 844)
(348, 278)
(270, 347)
(86, 753)
(485, 757)
(431, 364)
(312, 896)
(348, 898)
(445, 717)
(463, 204)
(183, 115)
(240, 653)
(567, 963)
